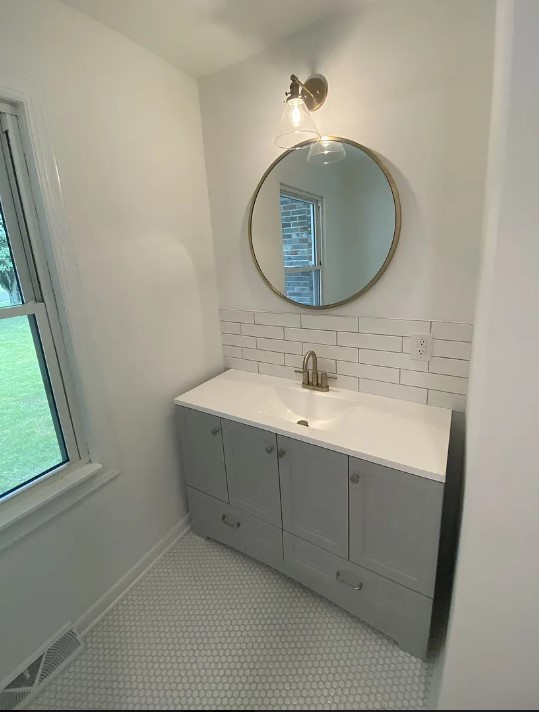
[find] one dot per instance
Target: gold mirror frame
(396, 233)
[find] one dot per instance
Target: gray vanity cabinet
(202, 453)
(252, 470)
(363, 535)
(395, 524)
(314, 494)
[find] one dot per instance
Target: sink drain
(303, 422)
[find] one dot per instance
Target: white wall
(493, 639)
(411, 80)
(126, 130)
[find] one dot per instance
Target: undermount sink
(322, 411)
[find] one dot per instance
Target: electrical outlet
(421, 347)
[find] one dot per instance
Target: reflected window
(300, 226)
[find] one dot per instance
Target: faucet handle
(324, 380)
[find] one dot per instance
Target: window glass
(10, 292)
(31, 442)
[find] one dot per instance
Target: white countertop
(407, 436)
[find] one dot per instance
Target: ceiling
(202, 36)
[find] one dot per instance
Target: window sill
(30, 509)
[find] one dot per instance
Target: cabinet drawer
(400, 613)
(234, 527)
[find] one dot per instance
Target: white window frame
(318, 202)
(38, 296)
(28, 508)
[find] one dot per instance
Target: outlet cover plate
(421, 347)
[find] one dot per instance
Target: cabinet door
(252, 470)
(395, 524)
(314, 494)
(202, 456)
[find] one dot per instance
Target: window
(300, 225)
(37, 435)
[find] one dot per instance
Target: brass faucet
(314, 381)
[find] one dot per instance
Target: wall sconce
(297, 124)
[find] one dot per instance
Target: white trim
(25, 511)
(118, 590)
(31, 104)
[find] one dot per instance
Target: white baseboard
(121, 587)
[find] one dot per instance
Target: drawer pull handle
(356, 586)
(269, 449)
(214, 431)
(354, 478)
(281, 452)
(234, 525)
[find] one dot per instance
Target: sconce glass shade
(296, 125)
(326, 151)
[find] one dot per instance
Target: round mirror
(324, 222)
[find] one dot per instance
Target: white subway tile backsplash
(241, 364)
(267, 332)
(451, 349)
(370, 341)
(264, 356)
(392, 359)
(369, 354)
(232, 351)
(452, 331)
(339, 323)
(447, 400)
(271, 369)
(245, 317)
(348, 382)
(393, 390)
(341, 353)
(238, 340)
(450, 384)
(449, 366)
(361, 370)
(274, 319)
(290, 347)
(324, 364)
(311, 335)
(230, 327)
(394, 327)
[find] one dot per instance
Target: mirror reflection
(321, 233)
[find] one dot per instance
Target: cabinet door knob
(269, 449)
(281, 452)
(354, 478)
(356, 586)
(234, 525)
(214, 431)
